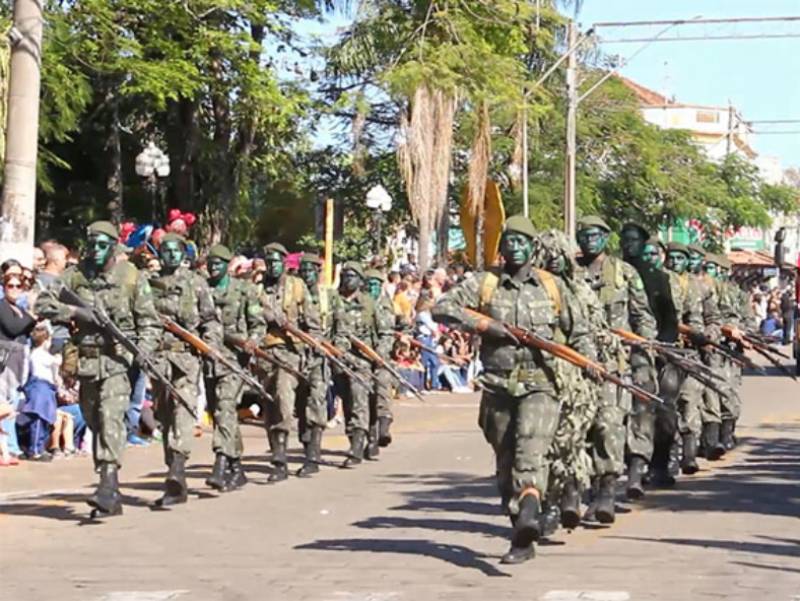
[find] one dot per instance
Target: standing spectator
(15, 325)
(787, 304)
(38, 259)
(427, 333)
(38, 414)
(55, 264)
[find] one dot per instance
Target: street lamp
(152, 165)
(380, 202)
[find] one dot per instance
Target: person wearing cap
(380, 410)
(353, 314)
(103, 367)
(313, 392)
(184, 297)
(286, 300)
(519, 409)
(242, 317)
(622, 294)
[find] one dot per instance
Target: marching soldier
(519, 409)
(624, 300)
(184, 297)
(286, 300)
(239, 308)
(120, 291)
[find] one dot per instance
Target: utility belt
(93, 352)
(174, 347)
(522, 374)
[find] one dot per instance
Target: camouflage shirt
(289, 297)
(702, 294)
(240, 312)
(521, 301)
(124, 294)
(358, 316)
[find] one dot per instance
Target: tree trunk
(182, 144)
(114, 180)
(18, 220)
(443, 237)
(423, 258)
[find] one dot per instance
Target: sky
(761, 77)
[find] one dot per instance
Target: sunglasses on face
(14, 286)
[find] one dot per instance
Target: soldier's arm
(49, 307)
(449, 309)
(254, 314)
(309, 313)
(640, 316)
(339, 329)
(384, 330)
(145, 316)
(210, 325)
(574, 323)
(712, 318)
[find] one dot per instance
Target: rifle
(259, 353)
(327, 350)
(104, 323)
(754, 339)
(750, 342)
(372, 355)
(532, 340)
(423, 347)
(205, 349)
(700, 339)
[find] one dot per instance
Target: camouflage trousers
(176, 420)
(608, 434)
(312, 398)
(282, 385)
(380, 401)
(568, 455)
(355, 396)
(711, 409)
(224, 394)
(731, 405)
(690, 403)
(103, 404)
(520, 430)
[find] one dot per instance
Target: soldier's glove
(496, 330)
(83, 316)
(593, 373)
(250, 347)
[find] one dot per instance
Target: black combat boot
(635, 489)
(674, 460)
(373, 449)
(217, 478)
(726, 434)
(384, 435)
(549, 519)
(527, 529)
(313, 454)
(356, 454)
(659, 467)
(235, 478)
(106, 500)
(175, 491)
(713, 448)
(570, 505)
(606, 498)
(689, 462)
(280, 469)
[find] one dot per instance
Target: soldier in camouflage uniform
(624, 300)
(380, 410)
(353, 313)
(711, 407)
(571, 466)
(312, 393)
(519, 409)
(286, 300)
(242, 316)
(123, 293)
(184, 297)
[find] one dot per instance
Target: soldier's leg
(640, 439)
(384, 407)
(224, 394)
(357, 418)
(280, 412)
(608, 439)
(315, 416)
(730, 405)
(690, 423)
(711, 414)
(495, 417)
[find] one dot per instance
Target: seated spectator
(449, 369)
(771, 326)
(68, 396)
(408, 364)
(38, 413)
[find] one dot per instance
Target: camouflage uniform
(519, 410)
(185, 298)
(312, 394)
(357, 316)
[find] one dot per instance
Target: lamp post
(380, 202)
(152, 165)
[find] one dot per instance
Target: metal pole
(18, 221)
(730, 129)
(572, 109)
(525, 207)
(328, 265)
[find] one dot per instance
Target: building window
(707, 117)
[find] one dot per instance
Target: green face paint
(632, 242)
(517, 249)
(309, 272)
(172, 254)
(349, 281)
(275, 266)
(217, 269)
(374, 288)
(695, 262)
(592, 241)
(99, 250)
(711, 269)
(651, 256)
(677, 261)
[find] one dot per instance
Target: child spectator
(38, 413)
(70, 425)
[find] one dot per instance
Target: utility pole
(18, 211)
(572, 110)
(729, 144)
(525, 203)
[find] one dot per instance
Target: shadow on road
(780, 548)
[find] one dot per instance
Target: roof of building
(645, 95)
(755, 258)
